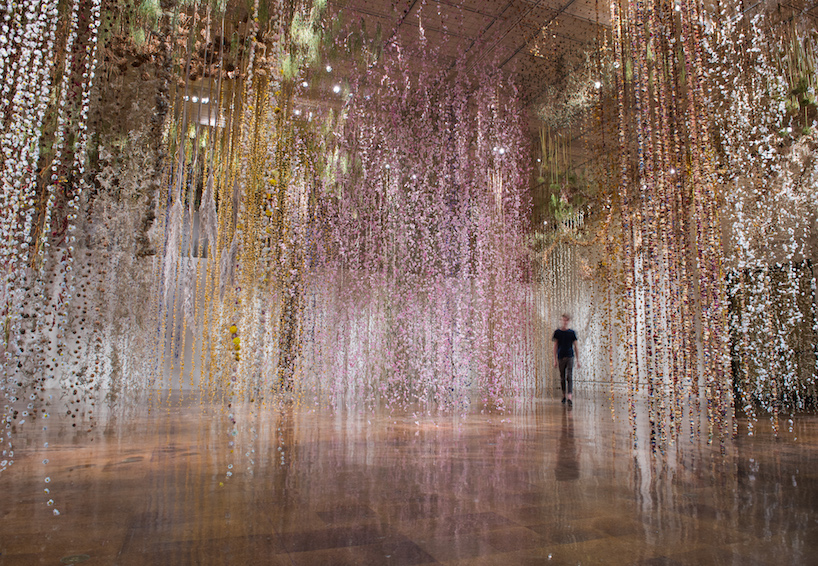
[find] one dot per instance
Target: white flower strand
(769, 203)
(80, 154)
(29, 38)
(54, 181)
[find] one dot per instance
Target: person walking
(565, 355)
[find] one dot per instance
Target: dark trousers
(566, 375)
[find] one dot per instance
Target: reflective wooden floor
(541, 485)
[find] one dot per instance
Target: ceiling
(524, 37)
(528, 39)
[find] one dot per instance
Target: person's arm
(576, 353)
(556, 360)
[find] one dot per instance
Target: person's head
(564, 319)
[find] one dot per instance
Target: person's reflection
(567, 461)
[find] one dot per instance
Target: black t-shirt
(565, 342)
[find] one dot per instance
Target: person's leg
(563, 363)
(568, 386)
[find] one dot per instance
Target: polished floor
(541, 484)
